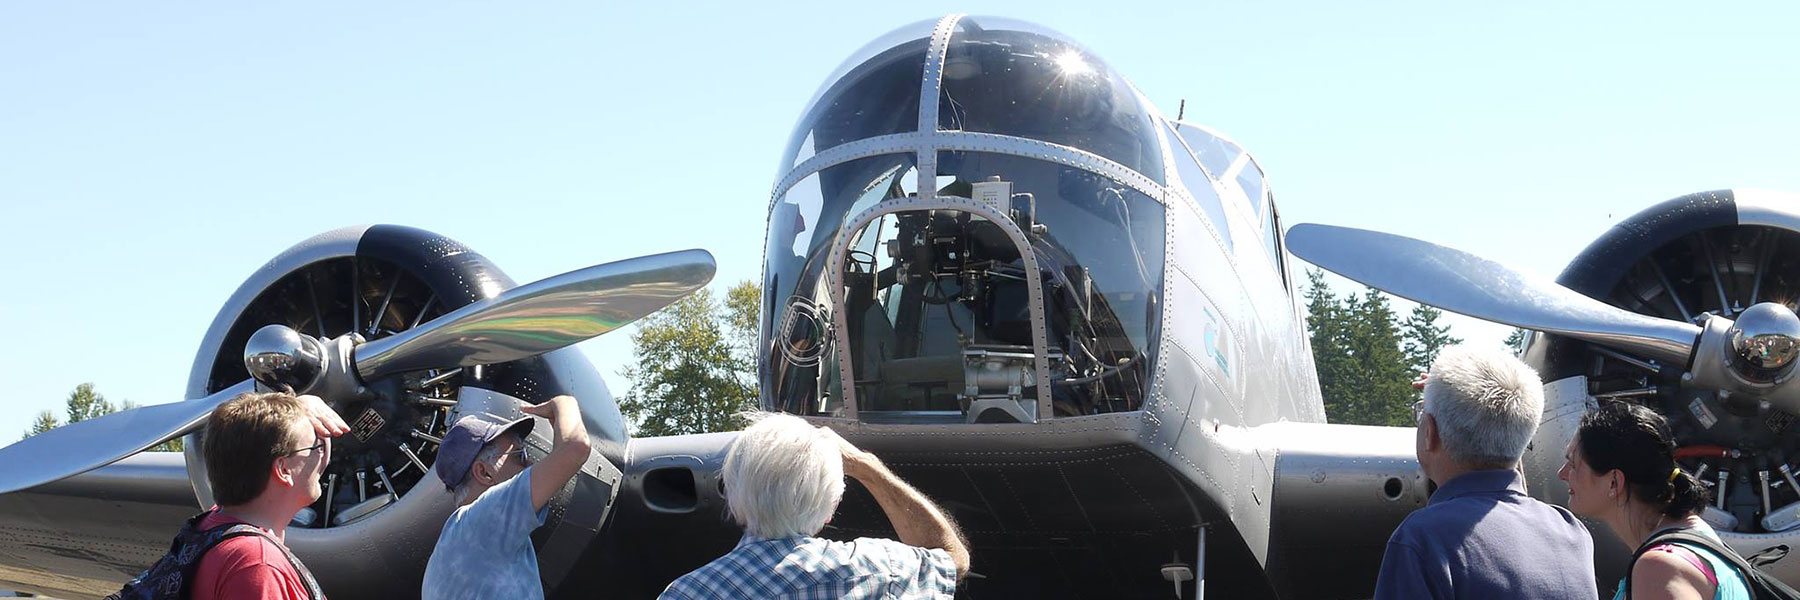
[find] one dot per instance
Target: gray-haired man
(1481, 536)
(485, 549)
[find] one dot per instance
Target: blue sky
(153, 155)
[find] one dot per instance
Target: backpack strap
(1693, 559)
(1687, 537)
(240, 529)
(209, 538)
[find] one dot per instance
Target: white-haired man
(783, 481)
(1481, 536)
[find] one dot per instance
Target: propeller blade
(541, 316)
(1463, 283)
(83, 446)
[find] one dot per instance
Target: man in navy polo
(1481, 536)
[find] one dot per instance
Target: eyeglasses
(316, 447)
(523, 459)
(1418, 411)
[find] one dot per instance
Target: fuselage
(1066, 317)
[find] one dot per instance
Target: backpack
(172, 576)
(1763, 586)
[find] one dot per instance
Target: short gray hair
(783, 477)
(489, 454)
(1486, 402)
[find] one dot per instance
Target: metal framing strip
(930, 142)
(930, 85)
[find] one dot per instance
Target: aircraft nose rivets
(1764, 341)
(278, 356)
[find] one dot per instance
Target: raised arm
(567, 455)
(917, 521)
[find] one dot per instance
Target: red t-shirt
(245, 566)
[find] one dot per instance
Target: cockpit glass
(797, 356)
(1007, 77)
(885, 74)
(1215, 153)
(936, 304)
(1087, 224)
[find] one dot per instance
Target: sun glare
(1071, 63)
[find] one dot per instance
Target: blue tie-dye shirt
(485, 550)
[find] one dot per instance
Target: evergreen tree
(1326, 329)
(1425, 338)
(1516, 341)
(1379, 375)
(45, 421)
(84, 403)
(695, 365)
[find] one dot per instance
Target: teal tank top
(1732, 585)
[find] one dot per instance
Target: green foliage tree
(695, 366)
(45, 421)
(1516, 341)
(1366, 356)
(1425, 338)
(84, 403)
(1326, 327)
(1380, 374)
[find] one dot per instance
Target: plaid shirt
(805, 568)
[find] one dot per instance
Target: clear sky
(153, 155)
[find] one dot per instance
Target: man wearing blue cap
(485, 549)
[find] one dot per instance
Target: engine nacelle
(382, 508)
(1714, 253)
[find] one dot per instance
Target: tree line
(84, 403)
(1367, 355)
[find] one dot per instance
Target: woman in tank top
(1621, 471)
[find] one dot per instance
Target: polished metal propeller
(521, 322)
(1754, 355)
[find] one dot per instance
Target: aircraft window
(1272, 237)
(885, 73)
(1201, 188)
(800, 373)
(1250, 179)
(1215, 153)
(954, 322)
(1012, 78)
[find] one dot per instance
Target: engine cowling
(1718, 253)
(371, 533)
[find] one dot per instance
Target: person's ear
(282, 473)
(1428, 424)
(483, 473)
(1615, 484)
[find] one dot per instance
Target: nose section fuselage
(993, 253)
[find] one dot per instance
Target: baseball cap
(465, 439)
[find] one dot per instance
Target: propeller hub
(278, 356)
(1764, 341)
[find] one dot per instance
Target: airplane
(1067, 318)
(1686, 307)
